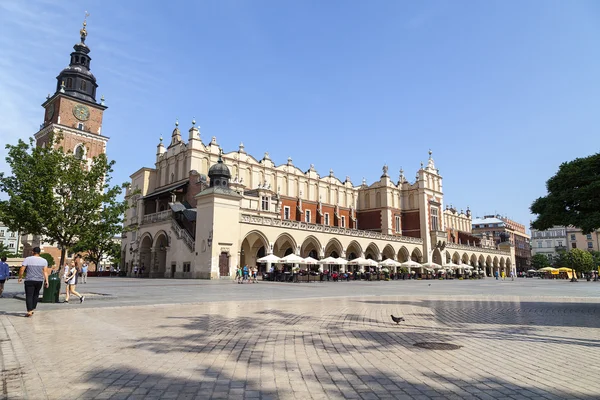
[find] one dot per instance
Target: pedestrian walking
(4, 274)
(254, 272)
(84, 271)
(71, 282)
(64, 277)
(36, 268)
(245, 273)
(135, 271)
(238, 274)
(503, 275)
(512, 275)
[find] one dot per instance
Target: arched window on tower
(79, 152)
(69, 83)
(83, 85)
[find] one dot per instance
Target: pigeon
(397, 320)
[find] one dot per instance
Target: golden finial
(83, 32)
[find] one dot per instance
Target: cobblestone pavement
(512, 347)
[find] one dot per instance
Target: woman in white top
(71, 281)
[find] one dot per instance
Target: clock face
(49, 111)
(81, 112)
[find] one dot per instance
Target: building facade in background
(495, 227)
(578, 240)
(10, 239)
(549, 242)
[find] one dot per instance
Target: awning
(167, 189)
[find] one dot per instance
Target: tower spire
(79, 81)
(83, 31)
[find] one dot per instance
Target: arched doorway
(372, 252)
(437, 257)
(403, 254)
(284, 245)
(254, 246)
(159, 268)
(145, 255)
(333, 247)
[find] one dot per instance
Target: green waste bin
(52, 292)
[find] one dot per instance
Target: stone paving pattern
(270, 347)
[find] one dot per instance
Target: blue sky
(501, 91)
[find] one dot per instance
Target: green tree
(581, 261)
(55, 194)
(97, 240)
(539, 261)
(48, 257)
(572, 196)
(596, 257)
(561, 260)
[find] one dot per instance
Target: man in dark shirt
(37, 274)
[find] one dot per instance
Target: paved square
(158, 339)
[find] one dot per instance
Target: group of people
(138, 272)
(35, 271)
(245, 274)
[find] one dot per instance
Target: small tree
(572, 196)
(581, 261)
(98, 239)
(539, 261)
(54, 194)
(561, 260)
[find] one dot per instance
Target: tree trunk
(63, 251)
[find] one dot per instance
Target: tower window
(79, 152)
(434, 219)
(69, 82)
(80, 126)
(83, 85)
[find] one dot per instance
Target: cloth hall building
(200, 213)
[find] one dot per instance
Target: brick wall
(64, 109)
(369, 220)
(411, 224)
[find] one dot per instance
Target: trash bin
(52, 292)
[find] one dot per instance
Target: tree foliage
(581, 261)
(55, 194)
(561, 260)
(539, 261)
(573, 196)
(48, 257)
(98, 239)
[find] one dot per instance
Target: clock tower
(72, 111)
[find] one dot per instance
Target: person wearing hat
(37, 275)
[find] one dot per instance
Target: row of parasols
(360, 261)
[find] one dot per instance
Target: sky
(502, 92)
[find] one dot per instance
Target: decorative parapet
(478, 249)
(334, 230)
(156, 217)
